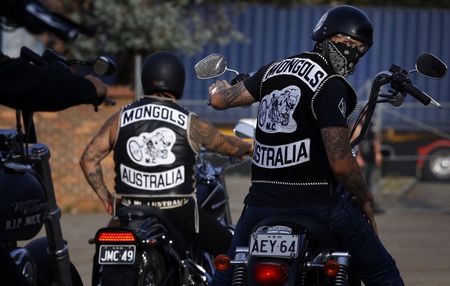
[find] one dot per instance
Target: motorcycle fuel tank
(23, 202)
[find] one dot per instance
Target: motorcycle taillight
(114, 236)
(222, 262)
(331, 268)
(270, 274)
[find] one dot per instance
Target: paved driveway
(415, 229)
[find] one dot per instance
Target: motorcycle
(28, 197)
(144, 248)
(299, 250)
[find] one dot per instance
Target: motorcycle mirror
(212, 66)
(245, 128)
(104, 66)
(429, 65)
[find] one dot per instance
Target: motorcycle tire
(46, 273)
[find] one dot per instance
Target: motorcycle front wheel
(46, 271)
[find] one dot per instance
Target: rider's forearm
(342, 162)
(354, 183)
(94, 175)
(223, 96)
(235, 147)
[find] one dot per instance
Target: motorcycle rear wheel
(149, 270)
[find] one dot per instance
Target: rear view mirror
(213, 65)
(104, 66)
(429, 65)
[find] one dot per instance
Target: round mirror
(212, 66)
(429, 65)
(104, 66)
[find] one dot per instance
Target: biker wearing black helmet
(163, 72)
(155, 135)
(304, 106)
(343, 43)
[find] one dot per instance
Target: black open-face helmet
(347, 20)
(163, 72)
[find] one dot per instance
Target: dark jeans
(370, 259)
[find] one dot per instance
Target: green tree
(139, 27)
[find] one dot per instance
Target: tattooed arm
(345, 168)
(202, 133)
(222, 95)
(99, 147)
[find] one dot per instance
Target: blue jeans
(369, 258)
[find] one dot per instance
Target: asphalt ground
(415, 228)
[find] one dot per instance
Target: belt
(161, 202)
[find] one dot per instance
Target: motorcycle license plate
(117, 254)
(277, 245)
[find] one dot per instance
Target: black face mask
(342, 57)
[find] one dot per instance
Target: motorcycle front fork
(58, 253)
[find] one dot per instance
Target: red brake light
(270, 274)
(115, 237)
(222, 262)
(331, 268)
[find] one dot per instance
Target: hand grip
(417, 94)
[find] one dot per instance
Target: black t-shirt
(330, 106)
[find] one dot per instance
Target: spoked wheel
(201, 268)
(438, 165)
(152, 269)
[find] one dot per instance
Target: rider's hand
(100, 87)
(367, 210)
(108, 203)
(215, 99)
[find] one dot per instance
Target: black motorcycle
(144, 247)
(28, 197)
(299, 250)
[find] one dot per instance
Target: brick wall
(67, 133)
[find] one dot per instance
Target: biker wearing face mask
(302, 160)
(155, 141)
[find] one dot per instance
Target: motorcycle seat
(143, 212)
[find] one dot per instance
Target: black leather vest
(288, 146)
(152, 154)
